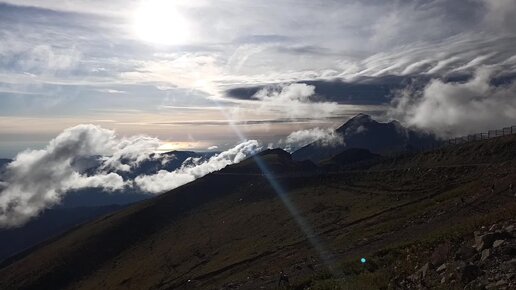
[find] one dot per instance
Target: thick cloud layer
(165, 180)
(38, 179)
(324, 137)
(451, 109)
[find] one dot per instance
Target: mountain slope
(50, 223)
(363, 132)
(86, 204)
(229, 230)
(349, 158)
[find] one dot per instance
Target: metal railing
(483, 136)
(440, 144)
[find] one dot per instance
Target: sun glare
(167, 146)
(159, 22)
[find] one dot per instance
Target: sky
(189, 72)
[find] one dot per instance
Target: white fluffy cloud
(294, 100)
(451, 109)
(323, 137)
(38, 179)
(165, 180)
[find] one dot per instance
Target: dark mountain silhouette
(364, 132)
(242, 227)
(239, 228)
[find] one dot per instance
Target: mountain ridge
(362, 131)
(227, 230)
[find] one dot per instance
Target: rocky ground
(484, 260)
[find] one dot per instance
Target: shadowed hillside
(50, 223)
(230, 230)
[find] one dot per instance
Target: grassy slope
(232, 230)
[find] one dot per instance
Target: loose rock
(498, 243)
(441, 268)
(485, 254)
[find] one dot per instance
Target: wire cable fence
(490, 134)
(439, 145)
(483, 136)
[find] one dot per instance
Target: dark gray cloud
(366, 91)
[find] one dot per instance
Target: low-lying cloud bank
(452, 109)
(39, 179)
(165, 180)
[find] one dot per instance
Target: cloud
(213, 147)
(322, 137)
(38, 179)
(198, 71)
(366, 91)
(77, 49)
(112, 91)
(500, 15)
(460, 108)
(294, 101)
(165, 180)
(129, 152)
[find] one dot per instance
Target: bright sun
(158, 21)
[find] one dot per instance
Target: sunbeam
(303, 224)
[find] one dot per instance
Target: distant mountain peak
(356, 124)
(361, 117)
(358, 120)
(362, 131)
